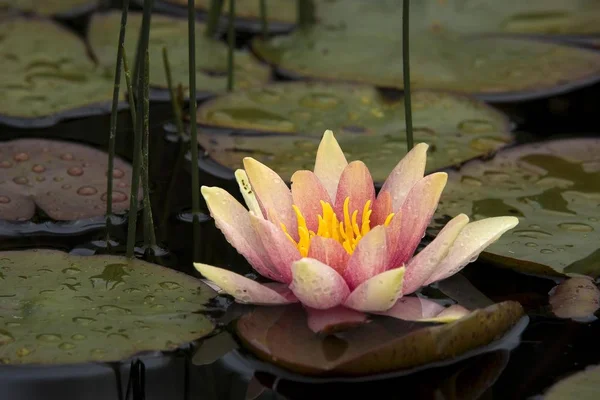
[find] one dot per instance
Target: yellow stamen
(348, 231)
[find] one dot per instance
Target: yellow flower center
(347, 232)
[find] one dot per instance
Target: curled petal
(234, 221)
(330, 163)
(381, 208)
(369, 258)
(404, 234)
(244, 290)
(406, 174)
(279, 250)
(413, 309)
(307, 194)
(378, 293)
(423, 265)
(334, 319)
(471, 241)
(271, 192)
(357, 184)
(330, 252)
(318, 285)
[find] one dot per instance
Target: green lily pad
(554, 189)
(583, 385)
(50, 7)
(360, 42)
(277, 10)
(171, 32)
(368, 126)
(281, 336)
(59, 308)
(46, 71)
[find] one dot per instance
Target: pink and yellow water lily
(334, 245)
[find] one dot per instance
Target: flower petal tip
(378, 293)
(317, 285)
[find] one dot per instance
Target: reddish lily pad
(577, 298)
(368, 126)
(281, 336)
(59, 308)
(171, 32)
(51, 7)
(554, 189)
(67, 181)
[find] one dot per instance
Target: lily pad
(583, 385)
(356, 34)
(171, 32)
(281, 336)
(367, 125)
(51, 7)
(67, 181)
(46, 71)
(577, 298)
(61, 309)
(554, 189)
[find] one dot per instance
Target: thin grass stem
(406, 74)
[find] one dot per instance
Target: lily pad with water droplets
(51, 7)
(577, 298)
(280, 335)
(67, 181)
(553, 187)
(59, 308)
(171, 32)
(47, 72)
(368, 126)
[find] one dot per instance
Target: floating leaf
(67, 181)
(281, 336)
(172, 33)
(59, 308)
(583, 385)
(577, 298)
(51, 7)
(368, 126)
(554, 189)
(46, 71)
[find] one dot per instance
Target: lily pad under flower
(332, 244)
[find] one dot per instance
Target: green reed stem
(130, 92)
(406, 74)
(193, 124)
(214, 15)
(149, 234)
(264, 23)
(230, 45)
(306, 13)
(138, 133)
(175, 106)
(112, 137)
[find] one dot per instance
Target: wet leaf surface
(59, 308)
(67, 181)
(49, 7)
(171, 32)
(577, 298)
(554, 189)
(353, 34)
(368, 126)
(281, 336)
(46, 71)
(584, 385)
(277, 10)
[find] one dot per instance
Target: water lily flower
(333, 245)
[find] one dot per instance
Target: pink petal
(272, 193)
(423, 265)
(414, 309)
(330, 163)
(381, 208)
(244, 290)
(330, 252)
(369, 258)
(378, 293)
(307, 194)
(406, 174)
(279, 249)
(404, 234)
(234, 221)
(317, 285)
(357, 184)
(334, 319)
(471, 241)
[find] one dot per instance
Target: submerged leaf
(67, 181)
(367, 125)
(554, 189)
(383, 345)
(577, 298)
(59, 308)
(171, 32)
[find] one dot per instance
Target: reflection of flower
(331, 242)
